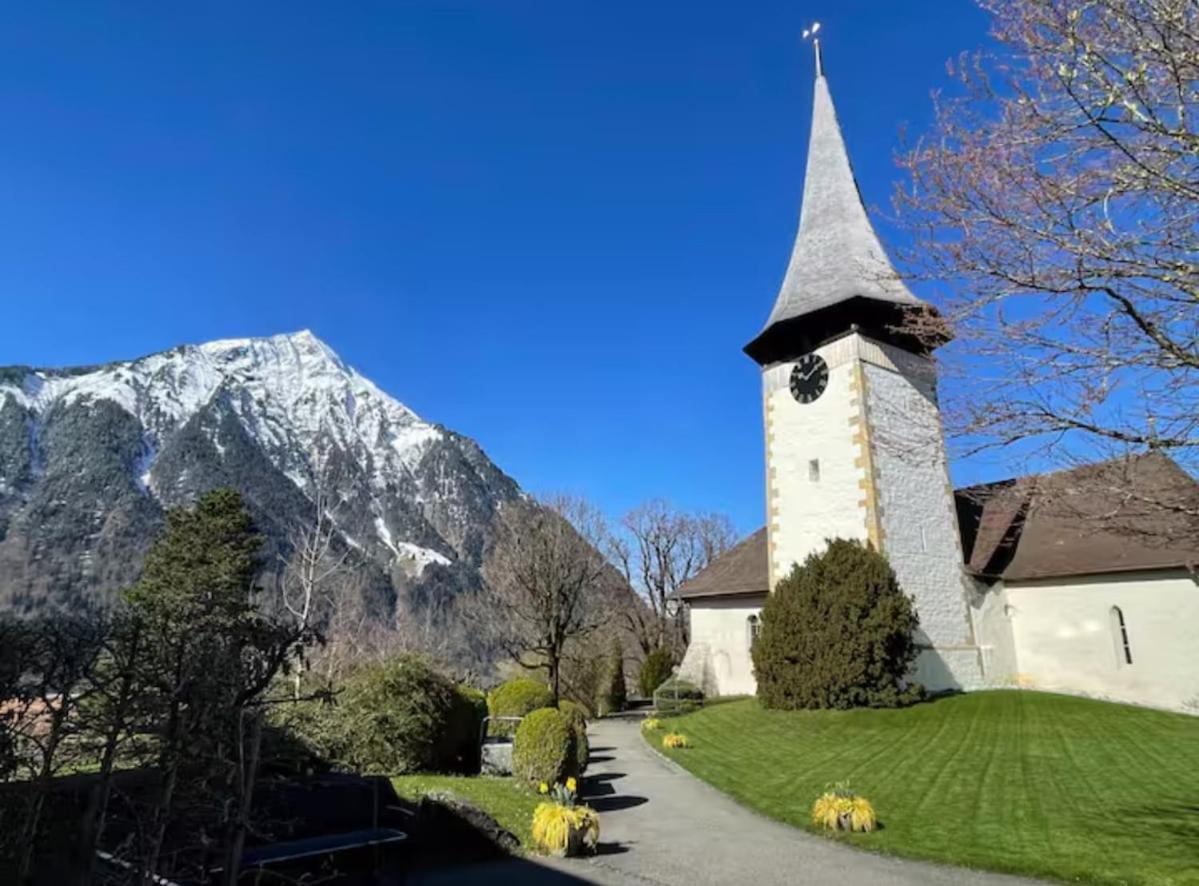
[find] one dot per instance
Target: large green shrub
(613, 695)
(837, 633)
(516, 698)
(677, 696)
(544, 749)
(396, 717)
(578, 722)
(655, 670)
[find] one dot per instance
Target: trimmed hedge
(544, 749)
(655, 670)
(516, 698)
(678, 696)
(837, 633)
(578, 722)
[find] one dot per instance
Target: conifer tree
(837, 633)
(210, 654)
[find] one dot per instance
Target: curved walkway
(662, 825)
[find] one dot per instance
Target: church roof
(742, 569)
(1116, 516)
(837, 254)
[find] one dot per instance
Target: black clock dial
(809, 378)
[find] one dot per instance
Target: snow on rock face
(294, 397)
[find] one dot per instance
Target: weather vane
(811, 32)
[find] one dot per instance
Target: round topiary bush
(655, 671)
(544, 749)
(395, 717)
(516, 698)
(578, 722)
(837, 633)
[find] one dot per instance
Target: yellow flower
(572, 785)
(543, 788)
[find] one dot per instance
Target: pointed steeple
(839, 274)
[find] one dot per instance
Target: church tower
(854, 446)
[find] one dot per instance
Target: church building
(1030, 582)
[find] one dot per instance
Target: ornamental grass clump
(840, 809)
(675, 740)
(651, 724)
(561, 826)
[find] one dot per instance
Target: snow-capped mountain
(91, 456)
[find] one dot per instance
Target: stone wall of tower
(867, 460)
(916, 506)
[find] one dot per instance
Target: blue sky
(548, 225)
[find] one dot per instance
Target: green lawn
(1025, 782)
(508, 802)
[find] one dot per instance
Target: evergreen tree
(615, 693)
(837, 633)
(209, 655)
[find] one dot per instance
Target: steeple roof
(837, 254)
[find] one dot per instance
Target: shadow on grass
(1173, 819)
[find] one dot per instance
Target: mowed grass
(1025, 782)
(508, 802)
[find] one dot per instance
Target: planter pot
(580, 841)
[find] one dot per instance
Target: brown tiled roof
(742, 569)
(1116, 516)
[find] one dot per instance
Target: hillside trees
(1057, 198)
(552, 586)
(173, 680)
(658, 547)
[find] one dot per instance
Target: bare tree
(313, 569)
(657, 548)
(1057, 198)
(549, 585)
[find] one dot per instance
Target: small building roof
(742, 569)
(1140, 513)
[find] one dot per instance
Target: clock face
(809, 378)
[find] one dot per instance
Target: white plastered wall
(718, 658)
(802, 512)
(1066, 641)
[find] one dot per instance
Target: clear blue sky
(549, 225)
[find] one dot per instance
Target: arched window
(1120, 635)
(753, 626)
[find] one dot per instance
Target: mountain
(90, 458)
